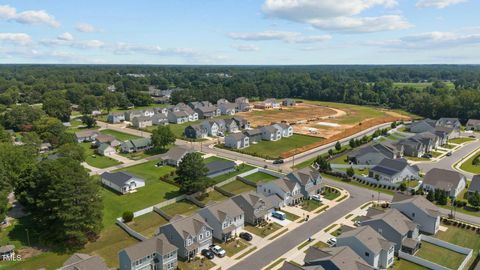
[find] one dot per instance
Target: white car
(218, 251)
(332, 241)
(316, 198)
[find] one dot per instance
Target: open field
(147, 224)
(119, 135)
(183, 207)
(440, 255)
(95, 160)
(260, 177)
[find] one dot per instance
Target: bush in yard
(403, 186)
(127, 216)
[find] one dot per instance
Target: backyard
(147, 224)
(95, 160)
(260, 177)
(183, 207)
(440, 255)
(240, 169)
(237, 187)
(212, 196)
(461, 237)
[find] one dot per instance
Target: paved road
(277, 248)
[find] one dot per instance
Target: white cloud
(85, 28)
(65, 36)
(16, 38)
(91, 44)
(246, 48)
(126, 48)
(336, 15)
(288, 37)
(27, 17)
(438, 3)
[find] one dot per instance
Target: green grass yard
(147, 224)
(274, 149)
(121, 136)
(400, 264)
(263, 231)
(260, 177)
(449, 146)
(183, 207)
(440, 255)
(240, 169)
(339, 160)
(461, 237)
(461, 140)
(95, 160)
(311, 205)
(469, 166)
(235, 246)
(212, 196)
(358, 184)
(237, 187)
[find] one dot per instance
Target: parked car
(316, 198)
(218, 250)
(332, 241)
(472, 136)
(207, 254)
(426, 155)
(278, 161)
(357, 223)
(279, 215)
(449, 154)
(246, 236)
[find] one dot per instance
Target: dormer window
(189, 241)
(367, 254)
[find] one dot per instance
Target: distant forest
(431, 90)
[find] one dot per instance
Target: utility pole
(28, 237)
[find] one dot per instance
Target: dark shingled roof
(118, 178)
(475, 184)
(218, 166)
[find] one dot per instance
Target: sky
(240, 32)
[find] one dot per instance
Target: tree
(191, 174)
(21, 117)
(323, 164)
(338, 146)
(352, 143)
(73, 151)
(64, 203)
(393, 125)
(474, 199)
(403, 186)
(443, 198)
(330, 152)
(350, 172)
(4, 135)
(162, 136)
(49, 129)
(58, 107)
(89, 121)
(88, 104)
(109, 101)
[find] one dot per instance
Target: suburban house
(271, 133)
(227, 108)
(309, 179)
(473, 124)
(286, 129)
(154, 253)
(273, 103)
(7, 252)
(136, 145)
(255, 206)
(80, 261)
(255, 135)
(219, 167)
(474, 185)
(449, 123)
(231, 126)
(394, 171)
(451, 181)
(221, 125)
(189, 234)
(129, 115)
(159, 119)
(369, 245)
(207, 112)
(395, 227)
(225, 218)
(178, 117)
(289, 102)
(45, 147)
(86, 135)
(419, 210)
(242, 104)
(174, 155)
(161, 110)
(108, 139)
(333, 258)
(122, 182)
(242, 123)
(412, 147)
(428, 139)
(115, 117)
(105, 149)
(237, 141)
(211, 127)
(422, 126)
(198, 104)
(195, 132)
(374, 153)
(288, 191)
(222, 101)
(142, 122)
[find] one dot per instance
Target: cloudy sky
(240, 31)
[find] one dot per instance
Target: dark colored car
(208, 254)
(246, 236)
(278, 161)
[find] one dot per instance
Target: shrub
(127, 216)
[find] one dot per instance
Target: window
(413, 214)
(189, 242)
(367, 254)
(207, 233)
(200, 236)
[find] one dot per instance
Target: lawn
(263, 231)
(260, 177)
(417, 158)
(96, 160)
(212, 196)
(310, 205)
(339, 160)
(290, 216)
(461, 140)
(197, 264)
(358, 184)
(119, 135)
(213, 158)
(400, 264)
(468, 165)
(320, 244)
(412, 183)
(183, 207)
(436, 154)
(440, 255)
(240, 169)
(147, 224)
(237, 187)
(449, 146)
(461, 237)
(330, 195)
(235, 246)
(274, 149)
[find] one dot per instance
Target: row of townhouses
(272, 132)
(216, 127)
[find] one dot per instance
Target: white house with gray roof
(451, 181)
(154, 253)
(369, 245)
(419, 210)
(189, 234)
(211, 127)
(289, 192)
(373, 154)
(285, 129)
(394, 171)
(255, 206)
(309, 179)
(271, 133)
(237, 141)
(226, 218)
(178, 117)
(174, 155)
(122, 182)
(86, 135)
(338, 258)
